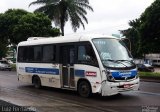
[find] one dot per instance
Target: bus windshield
(113, 53)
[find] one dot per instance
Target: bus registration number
(127, 85)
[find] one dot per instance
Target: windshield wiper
(116, 61)
(128, 61)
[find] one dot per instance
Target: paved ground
(57, 100)
(9, 107)
(4, 103)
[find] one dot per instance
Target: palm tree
(60, 11)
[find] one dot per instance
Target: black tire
(84, 89)
(37, 82)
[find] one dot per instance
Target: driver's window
(86, 55)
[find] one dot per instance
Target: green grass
(149, 74)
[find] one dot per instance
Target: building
(154, 58)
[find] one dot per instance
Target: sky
(109, 16)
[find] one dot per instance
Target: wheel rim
(84, 89)
(36, 82)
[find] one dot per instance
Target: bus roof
(62, 39)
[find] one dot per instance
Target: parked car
(4, 65)
(145, 68)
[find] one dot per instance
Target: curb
(150, 80)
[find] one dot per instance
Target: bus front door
(67, 57)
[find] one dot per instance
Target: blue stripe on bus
(127, 74)
(42, 70)
(80, 73)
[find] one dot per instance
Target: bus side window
(30, 54)
(22, 54)
(37, 53)
(86, 55)
(81, 53)
(72, 55)
(49, 53)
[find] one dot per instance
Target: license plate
(127, 85)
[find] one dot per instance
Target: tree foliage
(60, 11)
(33, 25)
(3, 48)
(17, 25)
(146, 31)
(150, 28)
(133, 35)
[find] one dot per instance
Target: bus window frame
(54, 53)
(57, 53)
(86, 63)
(33, 61)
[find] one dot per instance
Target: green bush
(149, 74)
(13, 67)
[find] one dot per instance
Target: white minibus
(84, 63)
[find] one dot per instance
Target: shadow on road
(72, 95)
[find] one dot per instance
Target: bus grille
(123, 78)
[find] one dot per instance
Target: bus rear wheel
(84, 89)
(37, 82)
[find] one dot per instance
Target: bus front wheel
(84, 89)
(37, 82)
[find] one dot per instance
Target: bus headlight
(110, 77)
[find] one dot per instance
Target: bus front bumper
(112, 88)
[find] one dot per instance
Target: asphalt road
(147, 99)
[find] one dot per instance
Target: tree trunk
(62, 25)
(62, 29)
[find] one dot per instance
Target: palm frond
(38, 2)
(62, 10)
(41, 9)
(82, 10)
(81, 14)
(85, 6)
(43, 2)
(75, 20)
(82, 1)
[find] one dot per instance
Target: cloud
(109, 15)
(3, 6)
(14, 4)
